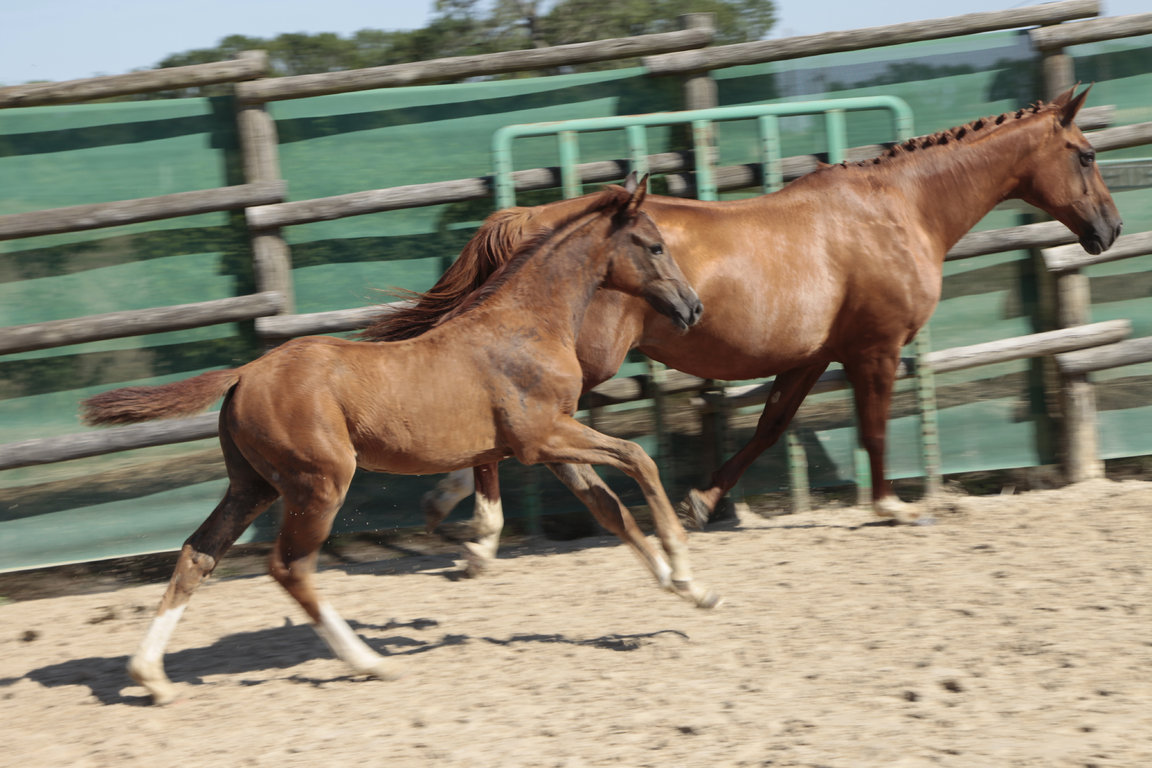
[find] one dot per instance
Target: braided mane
(978, 127)
(501, 244)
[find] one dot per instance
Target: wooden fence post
(272, 260)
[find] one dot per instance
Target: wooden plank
(959, 358)
(1121, 137)
(254, 64)
(870, 37)
(1128, 352)
(437, 70)
(1091, 31)
(48, 450)
(333, 321)
(1071, 257)
(1032, 345)
(1041, 235)
(77, 218)
(114, 325)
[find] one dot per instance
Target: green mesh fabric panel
(149, 500)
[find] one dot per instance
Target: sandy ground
(1016, 631)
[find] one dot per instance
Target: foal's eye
(656, 249)
(1087, 157)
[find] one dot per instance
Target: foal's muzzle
(678, 302)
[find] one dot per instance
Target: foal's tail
(130, 405)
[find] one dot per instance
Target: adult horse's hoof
(901, 512)
(433, 513)
(479, 559)
(694, 512)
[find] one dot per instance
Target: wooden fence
(685, 53)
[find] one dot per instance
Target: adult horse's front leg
(788, 391)
(873, 377)
(571, 442)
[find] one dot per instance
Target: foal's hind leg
(247, 496)
(311, 500)
(788, 392)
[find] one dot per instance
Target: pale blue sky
(69, 39)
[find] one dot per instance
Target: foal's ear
(638, 193)
(1069, 106)
(630, 182)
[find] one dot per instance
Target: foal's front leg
(571, 442)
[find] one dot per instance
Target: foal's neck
(556, 284)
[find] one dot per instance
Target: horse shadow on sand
(295, 643)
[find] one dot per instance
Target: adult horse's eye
(656, 249)
(1087, 157)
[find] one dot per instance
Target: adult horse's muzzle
(1100, 237)
(676, 301)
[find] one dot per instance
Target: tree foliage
(468, 27)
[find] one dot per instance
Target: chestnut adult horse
(297, 422)
(843, 264)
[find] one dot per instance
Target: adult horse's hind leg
(788, 391)
(873, 377)
(247, 496)
(487, 521)
(450, 491)
(312, 498)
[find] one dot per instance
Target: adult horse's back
(842, 265)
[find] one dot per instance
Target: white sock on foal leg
(350, 649)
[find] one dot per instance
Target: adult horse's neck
(954, 178)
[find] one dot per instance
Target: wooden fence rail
(137, 322)
(249, 67)
(77, 218)
(439, 70)
(762, 51)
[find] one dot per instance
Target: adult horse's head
(1066, 182)
(640, 263)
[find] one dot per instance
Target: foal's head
(640, 265)
(1066, 182)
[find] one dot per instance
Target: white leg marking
(151, 650)
(349, 648)
(147, 665)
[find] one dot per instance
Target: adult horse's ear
(1071, 105)
(630, 182)
(638, 192)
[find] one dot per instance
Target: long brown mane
(505, 238)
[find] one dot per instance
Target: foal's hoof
(385, 669)
(901, 512)
(694, 511)
(699, 596)
(159, 687)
